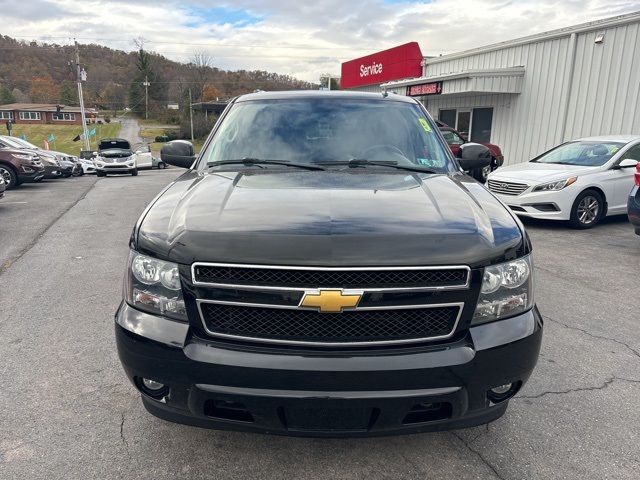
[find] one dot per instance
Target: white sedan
(581, 181)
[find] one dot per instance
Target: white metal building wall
(604, 89)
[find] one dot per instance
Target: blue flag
(91, 132)
(23, 137)
(51, 137)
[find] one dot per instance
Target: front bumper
(115, 168)
(52, 171)
(633, 208)
(319, 393)
(554, 205)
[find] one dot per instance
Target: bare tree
(201, 67)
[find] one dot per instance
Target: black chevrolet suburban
(325, 268)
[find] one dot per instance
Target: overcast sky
(298, 37)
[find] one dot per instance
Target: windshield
(317, 131)
(585, 154)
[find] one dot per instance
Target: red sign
(433, 88)
(393, 64)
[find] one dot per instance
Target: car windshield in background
(317, 131)
(585, 154)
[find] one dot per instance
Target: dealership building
(525, 95)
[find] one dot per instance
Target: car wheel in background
(162, 165)
(134, 172)
(10, 177)
(587, 209)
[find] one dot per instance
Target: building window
(477, 120)
(65, 117)
(29, 115)
(6, 115)
(481, 125)
(448, 117)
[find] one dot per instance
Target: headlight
(23, 156)
(557, 185)
(154, 286)
(507, 290)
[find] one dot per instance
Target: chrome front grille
(507, 188)
(279, 304)
(300, 278)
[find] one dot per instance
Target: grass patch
(149, 134)
(64, 134)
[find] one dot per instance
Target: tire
(587, 210)
(162, 165)
(100, 174)
(10, 177)
(134, 172)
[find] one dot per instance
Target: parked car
(633, 204)
(158, 163)
(19, 166)
(454, 139)
(114, 155)
(67, 167)
(56, 163)
(3, 186)
(142, 153)
(52, 169)
(87, 165)
(581, 181)
(325, 267)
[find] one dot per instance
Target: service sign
(433, 88)
(393, 64)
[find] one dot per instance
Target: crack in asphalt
(593, 335)
(8, 263)
(479, 455)
(606, 384)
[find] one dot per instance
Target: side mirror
(627, 163)
(178, 153)
(473, 155)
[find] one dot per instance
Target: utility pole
(191, 114)
(146, 97)
(81, 75)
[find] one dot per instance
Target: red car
(454, 139)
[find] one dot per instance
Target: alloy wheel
(6, 175)
(588, 210)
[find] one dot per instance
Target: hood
(534, 173)
(328, 219)
(114, 143)
(115, 153)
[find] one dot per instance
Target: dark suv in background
(20, 166)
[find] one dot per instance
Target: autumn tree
(113, 96)
(200, 69)
(44, 89)
(210, 93)
(145, 71)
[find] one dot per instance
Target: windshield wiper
(363, 162)
(248, 161)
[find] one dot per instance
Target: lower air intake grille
(313, 327)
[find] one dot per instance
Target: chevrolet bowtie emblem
(330, 301)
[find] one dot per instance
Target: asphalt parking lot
(69, 412)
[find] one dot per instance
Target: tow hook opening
(504, 392)
(226, 410)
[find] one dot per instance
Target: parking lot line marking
(11, 203)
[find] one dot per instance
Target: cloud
(299, 38)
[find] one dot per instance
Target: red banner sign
(433, 88)
(393, 64)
